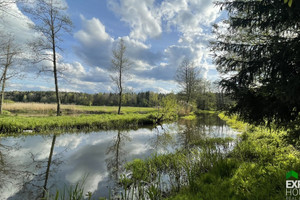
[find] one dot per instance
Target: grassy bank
(193, 115)
(31, 118)
(254, 169)
(19, 124)
(234, 123)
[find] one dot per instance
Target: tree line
(209, 101)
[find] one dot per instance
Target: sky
(158, 35)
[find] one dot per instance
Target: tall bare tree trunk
(120, 103)
(58, 113)
(2, 90)
(121, 91)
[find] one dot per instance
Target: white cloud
(190, 18)
(140, 15)
(188, 15)
(93, 32)
(29, 86)
(140, 53)
(142, 84)
(58, 3)
(94, 43)
(15, 23)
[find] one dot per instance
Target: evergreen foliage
(258, 51)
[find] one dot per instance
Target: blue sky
(158, 34)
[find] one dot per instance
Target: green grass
(191, 116)
(206, 112)
(114, 109)
(255, 169)
(180, 169)
(17, 124)
(234, 123)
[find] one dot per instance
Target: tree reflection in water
(116, 157)
(30, 177)
(205, 125)
(48, 166)
(163, 139)
(8, 171)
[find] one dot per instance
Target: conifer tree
(257, 51)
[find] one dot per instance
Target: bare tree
(8, 58)
(187, 76)
(50, 20)
(120, 65)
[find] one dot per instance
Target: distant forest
(207, 101)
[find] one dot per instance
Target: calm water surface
(29, 163)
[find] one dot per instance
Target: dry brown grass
(35, 107)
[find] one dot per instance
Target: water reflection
(32, 168)
(48, 166)
(33, 164)
(164, 138)
(115, 159)
(116, 154)
(8, 169)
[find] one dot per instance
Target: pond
(30, 163)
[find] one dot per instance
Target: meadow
(42, 109)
